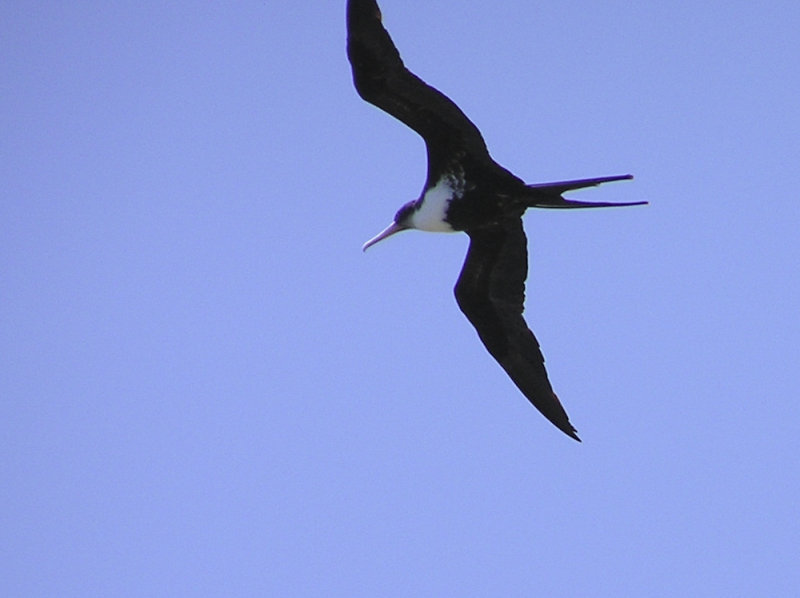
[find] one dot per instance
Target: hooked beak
(387, 232)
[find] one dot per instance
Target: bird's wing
(382, 79)
(491, 293)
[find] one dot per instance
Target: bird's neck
(432, 207)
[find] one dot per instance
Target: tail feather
(548, 195)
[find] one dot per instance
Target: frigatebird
(466, 190)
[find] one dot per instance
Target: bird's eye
(404, 212)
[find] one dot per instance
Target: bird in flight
(466, 190)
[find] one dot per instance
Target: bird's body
(466, 190)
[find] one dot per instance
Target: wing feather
(491, 293)
(381, 78)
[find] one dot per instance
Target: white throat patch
(431, 213)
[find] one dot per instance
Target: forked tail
(549, 195)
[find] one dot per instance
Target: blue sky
(207, 389)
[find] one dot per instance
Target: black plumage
(466, 190)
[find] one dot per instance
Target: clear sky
(206, 389)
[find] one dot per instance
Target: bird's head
(402, 221)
